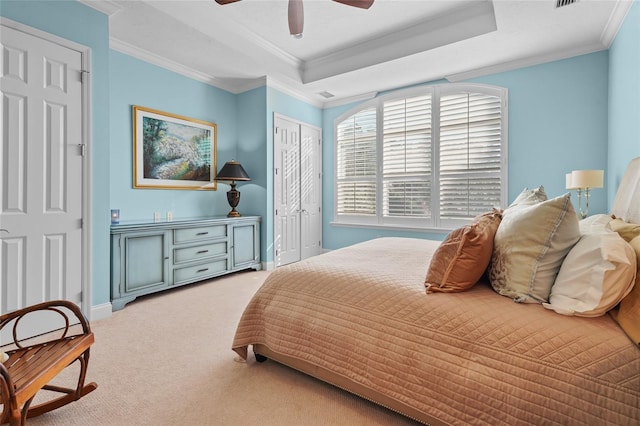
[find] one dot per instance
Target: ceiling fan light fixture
(296, 18)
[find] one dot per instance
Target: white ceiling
(350, 52)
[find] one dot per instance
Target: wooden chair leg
(70, 394)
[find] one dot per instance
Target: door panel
(41, 171)
(310, 191)
(287, 194)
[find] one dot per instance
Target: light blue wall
(557, 123)
(252, 153)
(134, 82)
(624, 99)
(74, 21)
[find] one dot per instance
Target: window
(432, 157)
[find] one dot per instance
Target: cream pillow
(596, 275)
(529, 247)
(530, 196)
(595, 223)
(628, 315)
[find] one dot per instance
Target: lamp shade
(232, 170)
(569, 182)
(587, 178)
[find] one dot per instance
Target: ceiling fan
(296, 14)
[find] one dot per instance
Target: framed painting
(172, 151)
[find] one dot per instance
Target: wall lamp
(232, 171)
(584, 180)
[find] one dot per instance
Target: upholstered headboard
(626, 205)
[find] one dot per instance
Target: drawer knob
(202, 270)
(203, 251)
(202, 233)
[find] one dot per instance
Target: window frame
(435, 222)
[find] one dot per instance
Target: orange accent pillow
(463, 257)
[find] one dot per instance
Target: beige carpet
(165, 359)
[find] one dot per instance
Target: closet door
(286, 191)
(310, 191)
(298, 190)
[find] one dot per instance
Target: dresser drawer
(198, 272)
(199, 233)
(203, 251)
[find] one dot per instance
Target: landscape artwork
(172, 151)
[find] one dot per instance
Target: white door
(287, 193)
(298, 190)
(41, 171)
(310, 191)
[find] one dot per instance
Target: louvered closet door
(287, 192)
(298, 191)
(41, 171)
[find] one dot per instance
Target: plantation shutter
(356, 164)
(470, 154)
(407, 154)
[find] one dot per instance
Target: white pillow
(595, 223)
(529, 247)
(598, 272)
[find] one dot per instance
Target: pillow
(530, 196)
(596, 274)
(628, 231)
(529, 247)
(628, 314)
(462, 258)
(595, 223)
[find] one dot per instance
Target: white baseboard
(268, 266)
(99, 312)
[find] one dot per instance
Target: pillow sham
(626, 230)
(529, 247)
(628, 314)
(530, 196)
(462, 258)
(595, 223)
(598, 272)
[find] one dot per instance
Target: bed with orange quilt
(360, 318)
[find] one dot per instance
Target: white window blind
(407, 157)
(470, 154)
(356, 164)
(434, 158)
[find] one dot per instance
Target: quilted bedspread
(474, 357)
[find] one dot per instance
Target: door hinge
(84, 74)
(276, 212)
(83, 148)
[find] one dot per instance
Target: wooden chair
(31, 366)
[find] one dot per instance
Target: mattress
(359, 317)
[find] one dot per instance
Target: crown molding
(523, 63)
(616, 19)
(108, 7)
(145, 55)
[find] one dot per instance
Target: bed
(360, 319)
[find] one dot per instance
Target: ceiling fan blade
(362, 4)
(223, 2)
(296, 18)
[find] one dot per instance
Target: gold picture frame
(172, 151)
